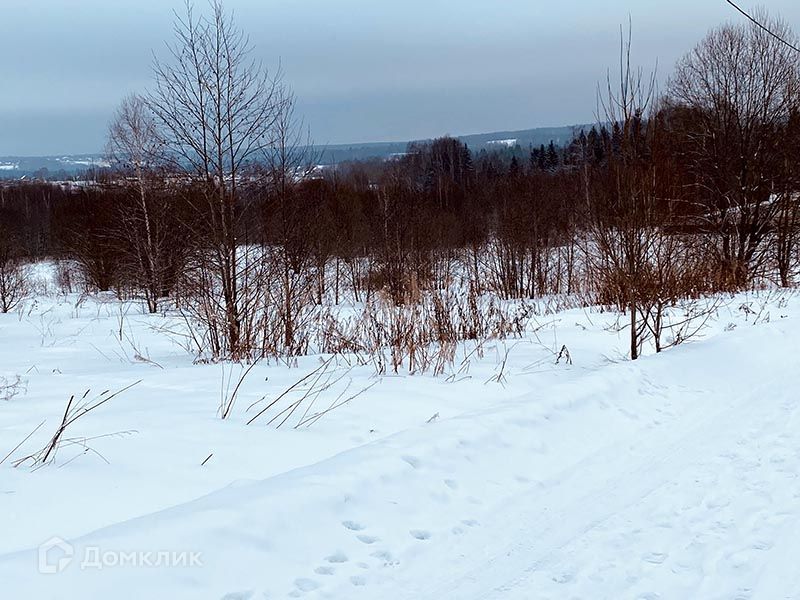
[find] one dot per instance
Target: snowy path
(706, 514)
(674, 477)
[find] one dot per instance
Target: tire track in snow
(548, 521)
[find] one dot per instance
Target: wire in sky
(769, 31)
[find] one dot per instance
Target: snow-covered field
(517, 477)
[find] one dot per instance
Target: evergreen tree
(541, 160)
(552, 161)
(533, 159)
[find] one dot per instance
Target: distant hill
(476, 142)
(14, 167)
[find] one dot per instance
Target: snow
(84, 162)
(510, 142)
(675, 476)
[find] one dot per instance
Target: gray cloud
(364, 70)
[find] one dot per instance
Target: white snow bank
(675, 476)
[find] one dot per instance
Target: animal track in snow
(367, 539)
(386, 557)
(655, 558)
(337, 557)
(305, 585)
(353, 525)
(420, 534)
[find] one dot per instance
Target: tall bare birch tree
(136, 150)
(217, 107)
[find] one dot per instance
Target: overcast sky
(364, 70)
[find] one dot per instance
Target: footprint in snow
(353, 525)
(337, 557)
(762, 545)
(655, 558)
(386, 557)
(565, 577)
(305, 585)
(324, 570)
(367, 539)
(420, 534)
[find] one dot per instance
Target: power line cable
(765, 28)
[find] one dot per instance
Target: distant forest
(83, 166)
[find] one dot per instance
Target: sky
(363, 70)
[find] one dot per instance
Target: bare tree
(623, 208)
(13, 281)
(136, 149)
(216, 107)
(290, 160)
(787, 200)
(733, 96)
